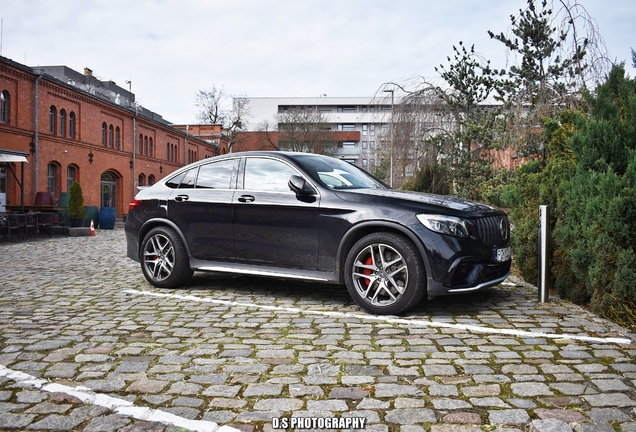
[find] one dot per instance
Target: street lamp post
(391, 132)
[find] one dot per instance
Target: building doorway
(109, 190)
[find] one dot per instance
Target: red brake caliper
(368, 271)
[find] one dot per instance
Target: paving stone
(282, 404)
(508, 417)
(348, 393)
(147, 386)
(567, 416)
(48, 408)
(52, 422)
(595, 426)
(109, 423)
(410, 416)
(409, 403)
(47, 345)
(297, 390)
(549, 425)
(370, 403)
(327, 405)
(569, 389)
(610, 400)
(227, 403)
(481, 390)
(395, 390)
(29, 397)
(263, 390)
(450, 404)
(16, 421)
(434, 370)
(608, 414)
(610, 385)
(461, 418)
(493, 402)
(530, 389)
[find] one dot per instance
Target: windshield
(338, 174)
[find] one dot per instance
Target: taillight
(134, 204)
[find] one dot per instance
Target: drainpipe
(185, 146)
(39, 73)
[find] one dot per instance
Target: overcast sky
(170, 49)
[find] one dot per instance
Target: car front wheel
(384, 274)
(164, 260)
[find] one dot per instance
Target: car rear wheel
(385, 274)
(164, 260)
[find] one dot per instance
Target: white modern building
(370, 116)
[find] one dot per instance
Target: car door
(201, 206)
(272, 226)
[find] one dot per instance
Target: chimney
(88, 72)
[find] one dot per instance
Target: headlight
(444, 224)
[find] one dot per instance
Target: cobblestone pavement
(86, 344)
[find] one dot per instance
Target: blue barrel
(107, 218)
(92, 213)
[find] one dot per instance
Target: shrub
(76, 208)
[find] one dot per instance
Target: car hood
(429, 203)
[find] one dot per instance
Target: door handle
(180, 198)
(246, 198)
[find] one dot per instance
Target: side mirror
(299, 186)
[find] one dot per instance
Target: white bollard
(544, 237)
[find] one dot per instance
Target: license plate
(503, 254)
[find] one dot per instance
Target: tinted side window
(189, 179)
(175, 181)
(217, 175)
(267, 175)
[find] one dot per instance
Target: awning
(12, 156)
(15, 156)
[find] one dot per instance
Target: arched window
(151, 179)
(141, 144)
(62, 122)
(51, 184)
(146, 145)
(71, 176)
(104, 127)
(71, 125)
(52, 119)
(110, 136)
(4, 107)
(142, 180)
(150, 151)
(168, 151)
(117, 138)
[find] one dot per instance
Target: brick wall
(85, 151)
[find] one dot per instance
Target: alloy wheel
(380, 274)
(159, 257)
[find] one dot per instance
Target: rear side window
(184, 180)
(175, 181)
(189, 179)
(217, 175)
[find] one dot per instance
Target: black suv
(313, 217)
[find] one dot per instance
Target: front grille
(489, 230)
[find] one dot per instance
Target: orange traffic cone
(92, 231)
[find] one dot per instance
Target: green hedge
(588, 178)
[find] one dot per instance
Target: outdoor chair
(11, 228)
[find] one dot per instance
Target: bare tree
(216, 108)
(299, 130)
(212, 106)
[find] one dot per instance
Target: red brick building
(75, 127)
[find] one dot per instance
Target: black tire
(385, 274)
(164, 259)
